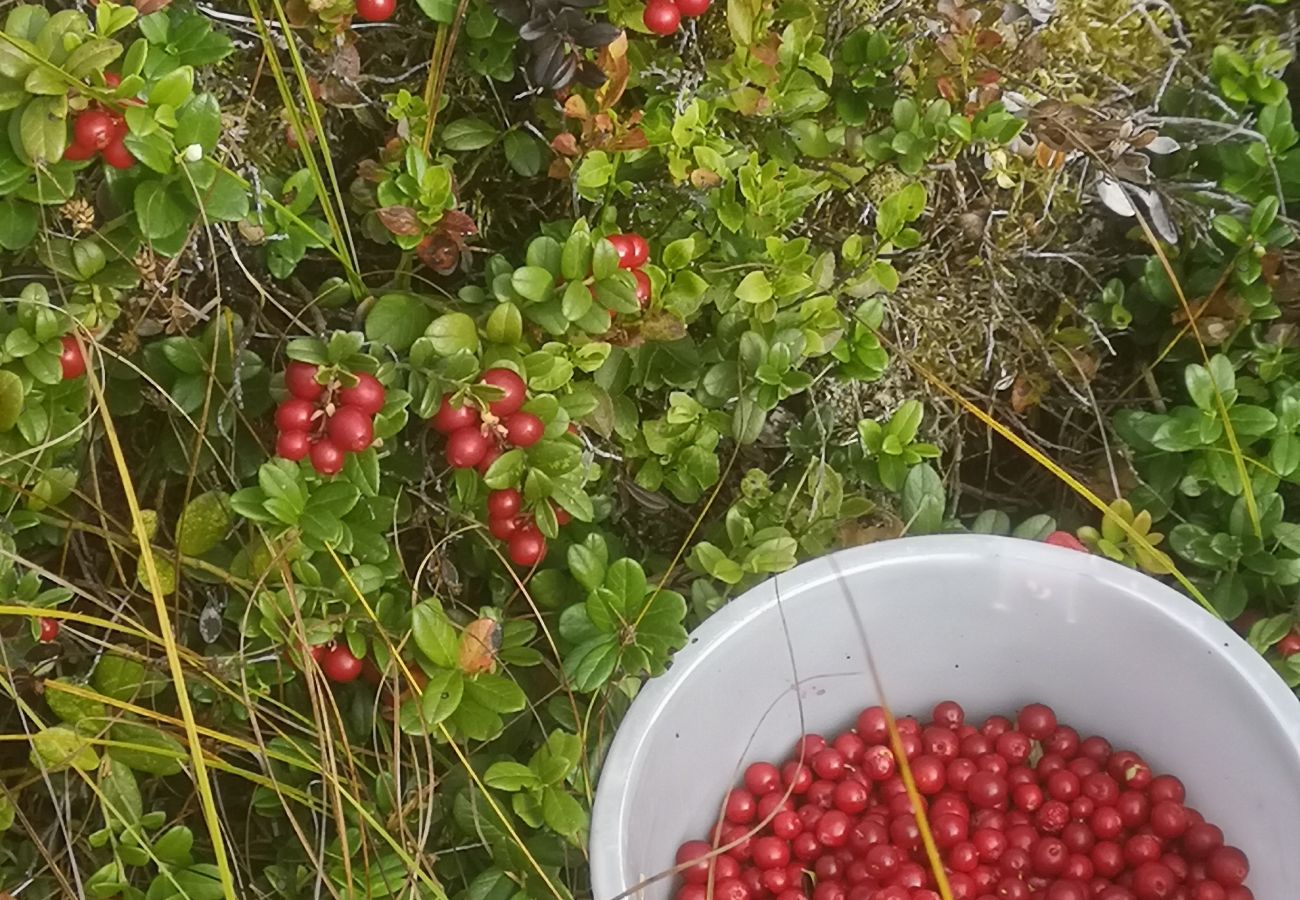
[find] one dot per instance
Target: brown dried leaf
(576, 107)
(633, 140)
(148, 7)
(479, 645)
(560, 169)
(1026, 393)
(399, 220)
(613, 62)
(565, 144)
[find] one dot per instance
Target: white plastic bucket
(993, 623)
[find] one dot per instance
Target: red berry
(514, 389)
(1153, 881)
(376, 10)
(1037, 721)
(326, 457)
(562, 515)
(524, 429)
(93, 128)
(492, 455)
(450, 418)
(692, 8)
(662, 17)
(740, 807)
(527, 547)
(643, 288)
(504, 504)
(1227, 866)
(112, 79)
(339, 665)
(638, 249)
(292, 445)
(623, 245)
(1289, 645)
(117, 155)
(366, 395)
(77, 153)
(466, 448)
(300, 380)
(351, 428)
(770, 853)
(294, 415)
(71, 361)
(503, 528)
(49, 629)
(762, 778)
(1065, 539)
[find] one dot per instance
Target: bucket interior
(991, 623)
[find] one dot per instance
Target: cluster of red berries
(633, 253)
(477, 438)
(326, 422)
(1021, 810)
(663, 17)
(100, 131)
(376, 10)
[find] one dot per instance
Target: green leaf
(505, 325)
(923, 500)
(506, 471)
(511, 776)
(587, 561)
(160, 211)
(70, 707)
(754, 288)
(500, 695)
(204, 523)
(453, 333)
(43, 129)
(60, 747)
(562, 813)
(440, 697)
(173, 846)
(120, 678)
(591, 664)
(626, 579)
(18, 223)
(173, 89)
(468, 134)
(443, 11)
(532, 283)
(524, 153)
(397, 319)
(145, 748)
(11, 399)
(199, 122)
(434, 634)
(121, 791)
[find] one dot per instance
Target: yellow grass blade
(206, 800)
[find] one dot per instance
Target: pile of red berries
(326, 422)
(477, 438)
(100, 131)
(633, 253)
(1022, 810)
(663, 17)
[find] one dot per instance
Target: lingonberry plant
(386, 388)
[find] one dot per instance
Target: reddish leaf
(399, 220)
